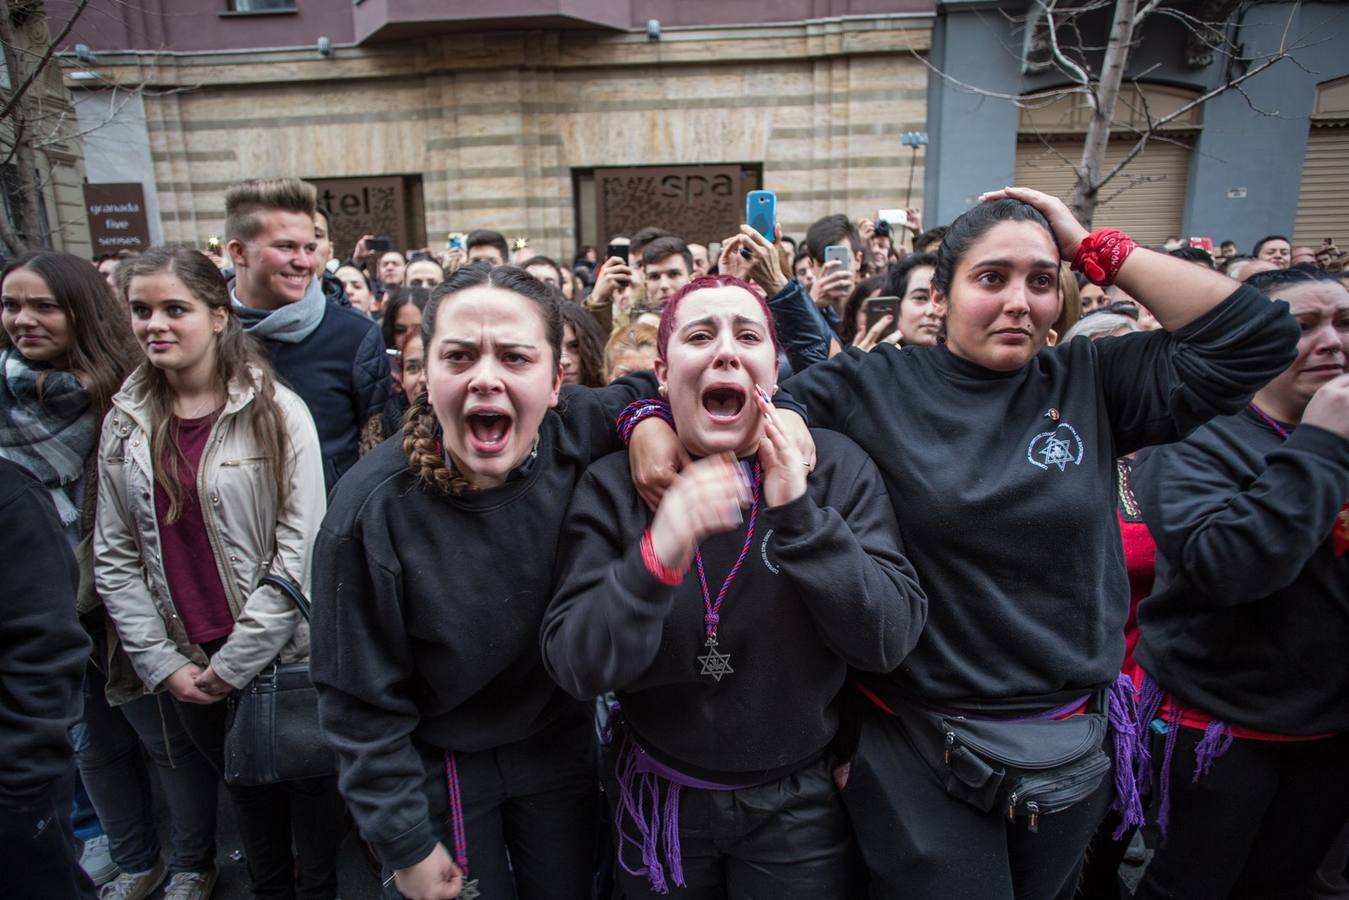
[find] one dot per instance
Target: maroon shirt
(189, 562)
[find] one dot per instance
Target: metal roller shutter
(1323, 205)
(1152, 206)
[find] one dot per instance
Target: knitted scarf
(291, 323)
(51, 436)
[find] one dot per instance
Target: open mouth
(723, 403)
(488, 432)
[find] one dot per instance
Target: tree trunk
(1103, 111)
(27, 231)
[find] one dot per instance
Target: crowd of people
(959, 562)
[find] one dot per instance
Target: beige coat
(249, 536)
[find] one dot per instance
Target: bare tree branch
(7, 35)
(1180, 111)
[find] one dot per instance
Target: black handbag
(272, 733)
(1022, 768)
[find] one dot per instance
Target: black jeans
(529, 812)
(111, 744)
(787, 838)
(919, 842)
(1255, 826)
(310, 812)
(37, 847)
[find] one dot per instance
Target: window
(262, 6)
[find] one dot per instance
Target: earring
(661, 390)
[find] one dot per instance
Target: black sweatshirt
(1249, 618)
(1003, 485)
(824, 586)
(427, 610)
(43, 649)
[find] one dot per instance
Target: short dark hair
(971, 225)
(645, 236)
(927, 241)
(544, 261)
(1266, 239)
(485, 237)
(1276, 279)
(800, 254)
(663, 247)
(831, 230)
(321, 210)
(897, 282)
(1193, 254)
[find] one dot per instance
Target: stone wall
(496, 124)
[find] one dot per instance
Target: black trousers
(37, 848)
(529, 812)
(310, 812)
(1255, 826)
(785, 839)
(919, 842)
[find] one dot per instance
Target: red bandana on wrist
(1342, 531)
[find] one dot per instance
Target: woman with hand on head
(978, 771)
(466, 768)
(1242, 641)
(728, 679)
(210, 478)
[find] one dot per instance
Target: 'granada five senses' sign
(117, 219)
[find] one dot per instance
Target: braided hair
(422, 442)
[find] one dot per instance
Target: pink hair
(667, 316)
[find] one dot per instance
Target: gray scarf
(291, 323)
(51, 436)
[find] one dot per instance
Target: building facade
(46, 122)
(544, 119)
(1270, 158)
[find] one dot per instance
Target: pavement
(355, 879)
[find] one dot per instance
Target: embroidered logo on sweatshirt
(763, 552)
(1059, 447)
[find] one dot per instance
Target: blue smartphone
(761, 212)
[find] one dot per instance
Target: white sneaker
(96, 860)
(191, 885)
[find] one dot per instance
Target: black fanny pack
(1024, 768)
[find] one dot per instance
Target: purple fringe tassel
(1128, 735)
(1217, 740)
(634, 787)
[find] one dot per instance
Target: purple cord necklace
(714, 663)
(470, 886)
(1269, 420)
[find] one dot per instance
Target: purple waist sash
(641, 778)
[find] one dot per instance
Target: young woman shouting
(464, 765)
(728, 679)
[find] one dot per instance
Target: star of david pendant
(470, 890)
(718, 665)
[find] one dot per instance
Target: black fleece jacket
(427, 610)
(1003, 485)
(824, 586)
(43, 649)
(1249, 618)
